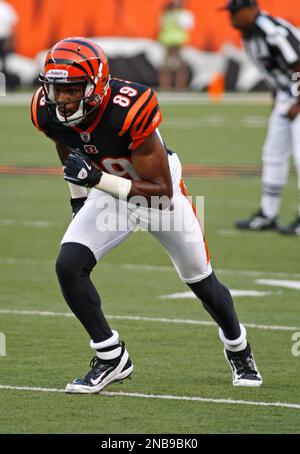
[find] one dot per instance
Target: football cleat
(102, 373)
(257, 222)
(291, 229)
(244, 370)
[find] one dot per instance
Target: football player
(273, 45)
(107, 138)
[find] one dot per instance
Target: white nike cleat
(244, 370)
(103, 373)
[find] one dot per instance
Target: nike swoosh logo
(88, 166)
(97, 381)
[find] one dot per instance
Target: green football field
(181, 383)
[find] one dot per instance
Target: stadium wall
(43, 22)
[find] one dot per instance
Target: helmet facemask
(58, 110)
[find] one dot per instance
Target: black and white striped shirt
(274, 47)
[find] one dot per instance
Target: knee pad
(74, 260)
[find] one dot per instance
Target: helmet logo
(85, 136)
(57, 74)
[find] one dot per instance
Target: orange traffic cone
(216, 88)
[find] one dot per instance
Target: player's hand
(80, 170)
(294, 111)
(77, 204)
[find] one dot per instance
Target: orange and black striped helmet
(71, 61)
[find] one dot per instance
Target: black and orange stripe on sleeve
(142, 119)
(144, 99)
(34, 108)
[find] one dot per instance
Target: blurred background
(137, 37)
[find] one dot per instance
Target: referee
(274, 47)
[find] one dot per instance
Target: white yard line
(24, 99)
(255, 273)
(204, 99)
(16, 99)
(214, 121)
(156, 268)
(235, 293)
(229, 233)
(163, 397)
(295, 285)
(149, 319)
(134, 267)
(35, 223)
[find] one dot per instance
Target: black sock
(217, 300)
(73, 266)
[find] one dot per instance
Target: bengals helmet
(75, 61)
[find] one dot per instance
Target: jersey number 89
(124, 101)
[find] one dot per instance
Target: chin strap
(74, 119)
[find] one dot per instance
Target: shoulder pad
(39, 114)
(135, 110)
